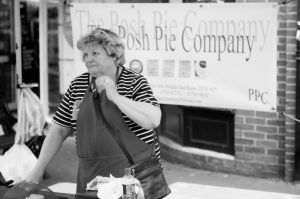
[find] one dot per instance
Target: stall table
(91, 195)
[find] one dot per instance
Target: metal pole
(43, 32)
(18, 45)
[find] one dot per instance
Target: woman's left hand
(105, 82)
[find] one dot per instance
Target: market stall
(10, 193)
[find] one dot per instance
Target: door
(7, 54)
(29, 15)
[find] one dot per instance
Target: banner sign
(218, 55)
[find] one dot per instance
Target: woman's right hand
(105, 82)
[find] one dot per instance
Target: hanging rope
(291, 117)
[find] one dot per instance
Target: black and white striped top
(130, 84)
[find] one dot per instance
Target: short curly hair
(108, 40)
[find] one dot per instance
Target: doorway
(7, 53)
(30, 30)
(29, 14)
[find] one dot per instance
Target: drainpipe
(297, 130)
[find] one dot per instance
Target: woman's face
(98, 62)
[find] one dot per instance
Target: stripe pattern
(130, 84)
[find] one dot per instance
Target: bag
(150, 174)
(16, 163)
(31, 117)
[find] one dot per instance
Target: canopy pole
(43, 42)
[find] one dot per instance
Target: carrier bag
(31, 118)
(16, 163)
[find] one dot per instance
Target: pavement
(185, 182)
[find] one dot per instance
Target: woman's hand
(144, 114)
(54, 139)
(105, 82)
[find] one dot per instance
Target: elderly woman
(106, 93)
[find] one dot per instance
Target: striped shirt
(130, 84)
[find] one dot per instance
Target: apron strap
(111, 129)
(93, 84)
(112, 132)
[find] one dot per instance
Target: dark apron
(98, 152)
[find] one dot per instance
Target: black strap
(113, 130)
(5, 183)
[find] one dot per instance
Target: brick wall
(264, 141)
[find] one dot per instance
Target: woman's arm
(53, 142)
(144, 114)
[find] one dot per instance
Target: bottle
(128, 184)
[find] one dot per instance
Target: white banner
(210, 55)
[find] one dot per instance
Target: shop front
(20, 50)
(7, 52)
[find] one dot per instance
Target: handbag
(148, 172)
(152, 179)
